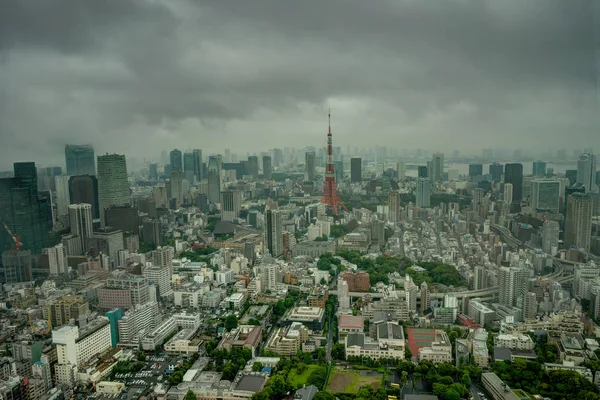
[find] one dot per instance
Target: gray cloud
(139, 76)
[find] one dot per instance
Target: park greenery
(380, 267)
(228, 362)
(177, 376)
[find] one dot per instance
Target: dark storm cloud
(142, 76)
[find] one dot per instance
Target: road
(474, 389)
(329, 337)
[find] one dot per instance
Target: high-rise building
(151, 232)
(163, 257)
(253, 166)
(539, 168)
(530, 306)
(475, 170)
(231, 204)
(586, 172)
(422, 171)
(176, 159)
(80, 159)
(198, 164)
(277, 157)
(273, 232)
(496, 170)
(310, 165)
(113, 187)
(571, 175)
(550, 232)
(437, 166)
(61, 183)
(508, 193)
(267, 168)
(57, 259)
(394, 206)
(512, 282)
(423, 198)
(80, 217)
(214, 179)
(513, 174)
(545, 195)
(176, 186)
(84, 189)
(424, 298)
(153, 171)
(578, 223)
(24, 213)
(124, 218)
(17, 266)
(480, 274)
(401, 170)
(355, 169)
(338, 167)
(189, 167)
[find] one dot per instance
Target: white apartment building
(390, 343)
(224, 276)
(161, 277)
(440, 351)
(144, 316)
(157, 335)
(57, 259)
(514, 341)
(190, 295)
(74, 347)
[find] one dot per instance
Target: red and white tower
(330, 194)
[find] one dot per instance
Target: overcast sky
(137, 77)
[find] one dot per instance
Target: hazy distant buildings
(545, 195)
(401, 170)
(214, 179)
(80, 159)
(539, 168)
(355, 169)
(423, 198)
(475, 170)
(231, 204)
(437, 167)
(197, 164)
(310, 165)
(578, 224)
(176, 159)
(113, 187)
(496, 170)
(267, 168)
(394, 206)
(252, 167)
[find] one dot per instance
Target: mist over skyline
(137, 77)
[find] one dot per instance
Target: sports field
(350, 381)
(418, 338)
(298, 380)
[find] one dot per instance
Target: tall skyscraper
(424, 298)
(546, 195)
(437, 167)
(176, 186)
(189, 171)
(310, 165)
(80, 159)
(84, 189)
(61, 183)
(513, 283)
(80, 217)
(355, 169)
(253, 166)
(198, 164)
(586, 172)
(550, 232)
(394, 206)
(338, 167)
(231, 204)
(277, 157)
(578, 224)
(571, 175)
(423, 198)
(214, 179)
(423, 171)
(113, 187)
(22, 210)
(401, 170)
(508, 193)
(176, 159)
(475, 170)
(496, 170)
(513, 173)
(153, 171)
(274, 232)
(267, 168)
(539, 168)
(530, 306)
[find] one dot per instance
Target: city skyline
(527, 76)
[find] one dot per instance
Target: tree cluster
(229, 362)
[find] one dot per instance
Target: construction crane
(43, 331)
(16, 239)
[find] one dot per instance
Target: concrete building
(482, 314)
(82, 223)
(512, 282)
(231, 204)
(273, 232)
(288, 340)
(113, 186)
(57, 259)
(143, 317)
(550, 235)
(123, 291)
(161, 277)
(578, 222)
(65, 309)
(546, 195)
(498, 389)
(423, 197)
(357, 282)
(390, 343)
(514, 341)
(351, 324)
(311, 317)
(355, 169)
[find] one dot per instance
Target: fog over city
(138, 77)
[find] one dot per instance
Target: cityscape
(255, 227)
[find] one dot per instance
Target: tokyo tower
(330, 194)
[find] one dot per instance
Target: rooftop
(351, 321)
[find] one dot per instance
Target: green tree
(141, 356)
(231, 322)
(338, 351)
(278, 385)
(322, 395)
(189, 395)
(451, 394)
(257, 366)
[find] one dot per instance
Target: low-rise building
(249, 336)
(498, 389)
(351, 324)
(390, 343)
(570, 366)
(440, 351)
(514, 341)
(286, 341)
(311, 317)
